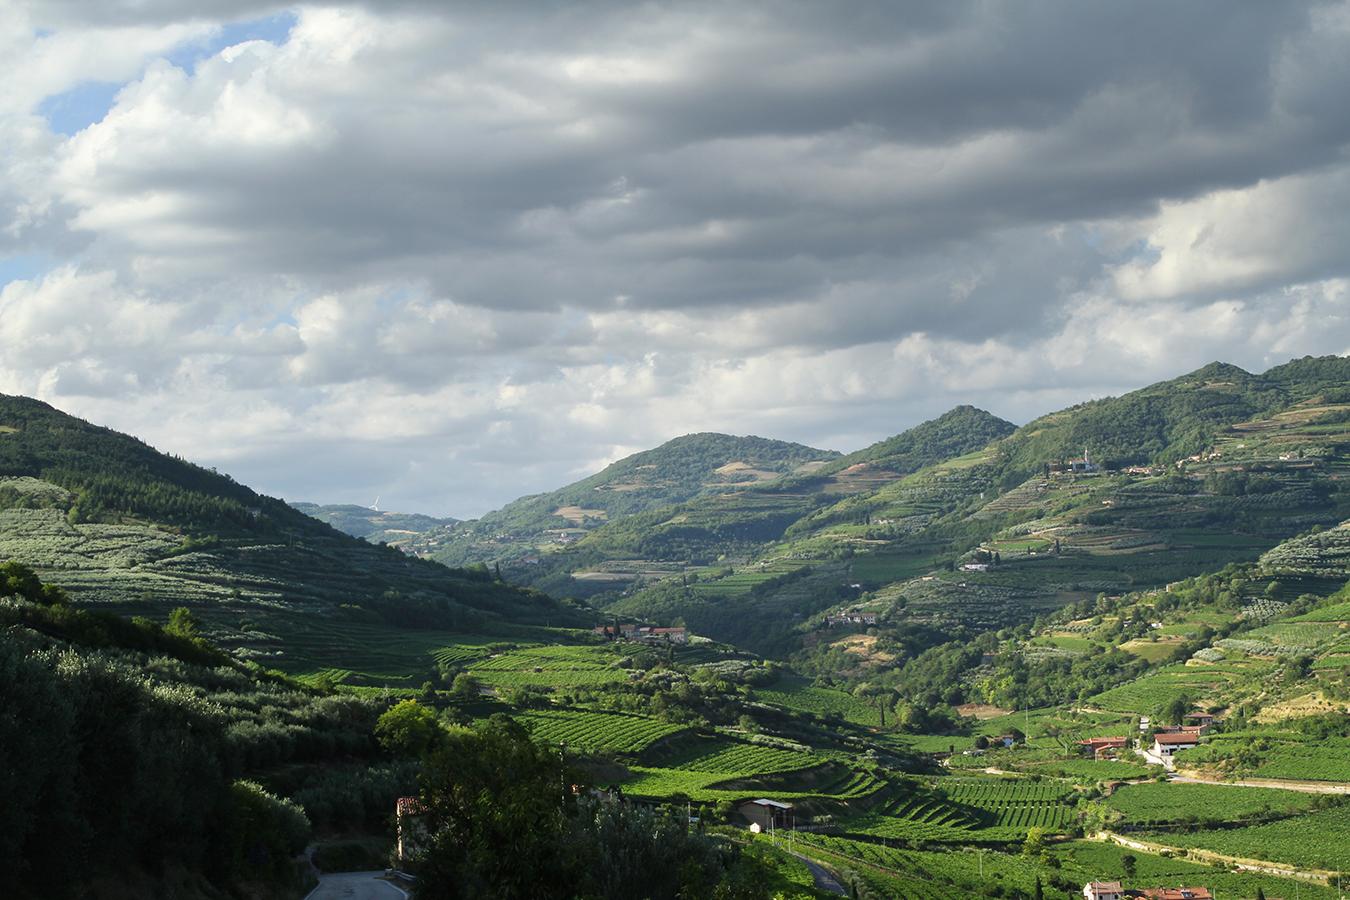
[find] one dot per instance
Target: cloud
(455, 254)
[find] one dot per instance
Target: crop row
(596, 730)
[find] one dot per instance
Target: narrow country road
(356, 886)
(1307, 787)
(825, 879)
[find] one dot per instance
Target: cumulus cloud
(454, 254)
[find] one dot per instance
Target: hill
(115, 522)
(1182, 477)
(695, 465)
(376, 526)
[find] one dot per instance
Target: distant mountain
(695, 465)
(376, 526)
(114, 521)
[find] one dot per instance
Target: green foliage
(265, 832)
(493, 788)
(408, 729)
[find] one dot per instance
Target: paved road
(356, 886)
(825, 879)
(1307, 787)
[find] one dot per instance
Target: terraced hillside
(695, 465)
(1216, 467)
(116, 523)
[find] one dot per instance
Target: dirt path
(1307, 787)
(1260, 866)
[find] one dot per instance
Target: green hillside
(967, 523)
(695, 465)
(374, 525)
(114, 522)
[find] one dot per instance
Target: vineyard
(961, 873)
(1316, 840)
(1277, 755)
(799, 694)
(727, 757)
(553, 666)
(1011, 807)
(1155, 802)
(1090, 769)
(1147, 694)
(585, 730)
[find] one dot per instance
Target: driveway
(356, 886)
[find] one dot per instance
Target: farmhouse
(1104, 747)
(675, 635)
(767, 815)
(851, 618)
(1166, 744)
(1202, 719)
(1103, 890)
(1112, 890)
(412, 828)
(975, 567)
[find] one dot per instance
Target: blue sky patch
(76, 109)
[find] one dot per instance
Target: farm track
(1306, 787)
(1259, 866)
(825, 879)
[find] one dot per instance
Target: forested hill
(376, 526)
(953, 433)
(114, 521)
(679, 470)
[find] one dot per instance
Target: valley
(970, 660)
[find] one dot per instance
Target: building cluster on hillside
(1105, 747)
(1113, 890)
(629, 631)
(1084, 466)
(851, 618)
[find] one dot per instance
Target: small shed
(769, 815)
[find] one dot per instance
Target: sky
(449, 254)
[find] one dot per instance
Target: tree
(1034, 845)
(1039, 892)
(408, 729)
(182, 623)
(464, 687)
(1127, 864)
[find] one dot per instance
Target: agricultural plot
(729, 758)
(1314, 839)
(800, 695)
(1160, 688)
(1089, 860)
(1090, 770)
(552, 666)
(920, 816)
(1010, 807)
(1180, 802)
(587, 730)
(648, 781)
(1278, 755)
(1336, 612)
